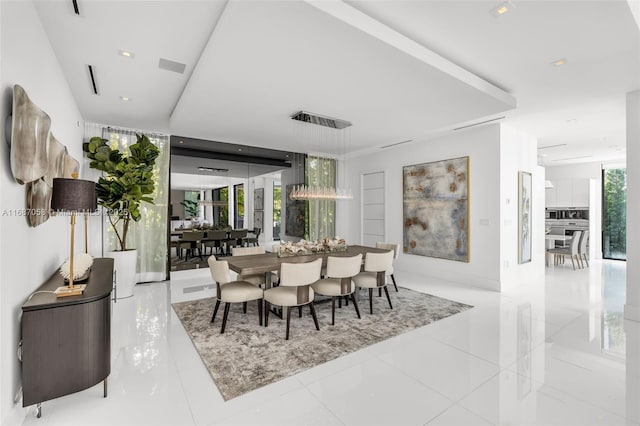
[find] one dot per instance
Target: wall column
(632, 307)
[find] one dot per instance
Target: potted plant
(127, 183)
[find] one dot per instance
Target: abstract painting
(294, 224)
(258, 199)
(258, 219)
(524, 217)
(436, 209)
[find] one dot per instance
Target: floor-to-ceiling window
(277, 203)
(238, 212)
(221, 213)
(614, 213)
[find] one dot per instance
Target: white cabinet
(568, 193)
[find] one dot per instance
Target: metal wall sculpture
(37, 157)
(436, 209)
(524, 217)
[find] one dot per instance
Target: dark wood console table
(66, 342)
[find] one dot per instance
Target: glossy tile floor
(551, 352)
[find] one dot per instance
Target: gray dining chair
(571, 250)
(582, 248)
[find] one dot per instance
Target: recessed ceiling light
(212, 169)
(559, 62)
(125, 53)
(501, 9)
(125, 98)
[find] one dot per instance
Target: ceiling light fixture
(212, 169)
(559, 62)
(125, 53)
(501, 9)
(125, 98)
(325, 138)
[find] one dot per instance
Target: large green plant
(127, 181)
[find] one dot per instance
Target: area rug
(247, 356)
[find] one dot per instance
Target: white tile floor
(547, 353)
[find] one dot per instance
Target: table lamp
(74, 196)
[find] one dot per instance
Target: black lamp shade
(74, 195)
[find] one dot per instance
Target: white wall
(496, 153)
(518, 152)
(28, 255)
(482, 145)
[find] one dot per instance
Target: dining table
(270, 262)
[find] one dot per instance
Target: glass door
(614, 213)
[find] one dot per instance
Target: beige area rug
(247, 356)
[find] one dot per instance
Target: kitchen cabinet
(568, 193)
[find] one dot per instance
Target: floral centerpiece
(303, 247)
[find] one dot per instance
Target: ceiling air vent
(92, 77)
(396, 144)
(477, 124)
(321, 120)
(173, 66)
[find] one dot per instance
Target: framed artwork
(258, 219)
(524, 217)
(258, 199)
(436, 209)
(295, 215)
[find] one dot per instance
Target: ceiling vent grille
(321, 120)
(173, 66)
(92, 77)
(477, 124)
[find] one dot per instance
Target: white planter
(125, 267)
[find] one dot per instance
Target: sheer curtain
(149, 235)
(321, 214)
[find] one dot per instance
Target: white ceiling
(397, 69)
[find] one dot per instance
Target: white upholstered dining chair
(396, 252)
(228, 291)
(294, 290)
(374, 276)
(338, 282)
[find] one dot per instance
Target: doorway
(614, 213)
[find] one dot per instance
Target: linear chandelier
(334, 138)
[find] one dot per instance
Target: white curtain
(321, 172)
(149, 235)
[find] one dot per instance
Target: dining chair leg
(346, 300)
(215, 310)
(333, 310)
(340, 303)
(586, 258)
(379, 292)
(394, 282)
(244, 307)
(267, 308)
(313, 314)
(371, 300)
(224, 318)
(259, 311)
(386, 291)
(355, 304)
(288, 322)
(573, 263)
(299, 311)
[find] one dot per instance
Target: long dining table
(270, 262)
